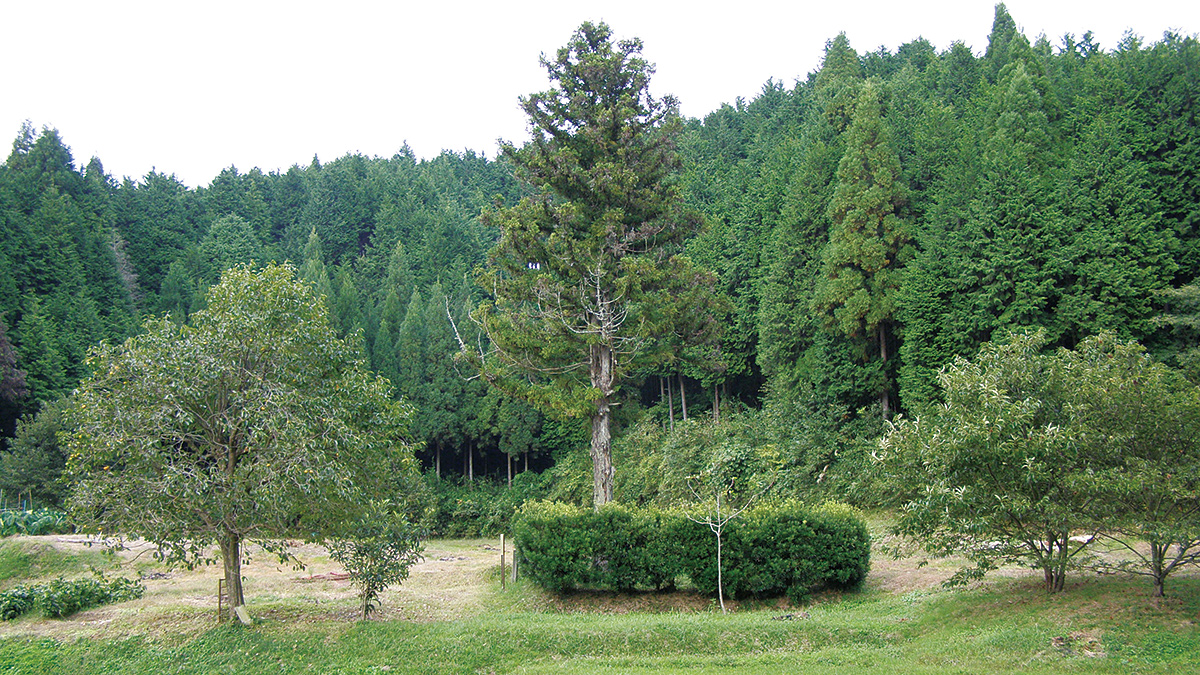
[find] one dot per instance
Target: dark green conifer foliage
(314, 273)
(230, 241)
(579, 264)
(869, 242)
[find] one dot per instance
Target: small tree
(251, 423)
(994, 473)
(719, 499)
(1142, 421)
(1031, 447)
(377, 553)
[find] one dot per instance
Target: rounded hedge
(770, 550)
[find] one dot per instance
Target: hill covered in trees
(866, 225)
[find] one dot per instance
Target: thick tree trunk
(600, 369)
(231, 559)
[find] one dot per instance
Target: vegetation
(61, 597)
(1033, 455)
(251, 422)
(377, 553)
(584, 269)
(989, 258)
(772, 550)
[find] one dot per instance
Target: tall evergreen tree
(868, 243)
(579, 264)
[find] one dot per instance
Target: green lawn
(1099, 625)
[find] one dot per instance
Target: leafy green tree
(581, 265)
(995, 472)
(251, 423)
(868, 243)
(1141, 422)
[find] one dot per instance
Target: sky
(190, 88)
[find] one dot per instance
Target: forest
(863, 226)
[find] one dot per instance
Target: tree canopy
(252, 422)
(583, 267)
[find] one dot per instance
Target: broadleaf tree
(584, 266)
(251, 423)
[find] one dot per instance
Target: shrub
(771, 550)
(377, 553)
(16, 601)
(61, 598)
(41, 521)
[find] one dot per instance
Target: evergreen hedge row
(770, 550)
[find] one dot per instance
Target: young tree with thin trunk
(584, 270)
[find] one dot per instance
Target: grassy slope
(1100, 625)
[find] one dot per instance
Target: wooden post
(502, 561)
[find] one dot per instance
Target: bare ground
(457, 578)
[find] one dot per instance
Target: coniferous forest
(865, 226)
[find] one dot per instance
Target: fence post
(501, 561)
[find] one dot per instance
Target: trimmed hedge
(769, 550)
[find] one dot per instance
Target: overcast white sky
(191, 88)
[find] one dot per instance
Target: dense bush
(457, 508)
(787, 548)
(770, 550)
(41, 521)
(61, 598)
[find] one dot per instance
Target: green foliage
(34, 522)
(1031, 448)
(377, 552)
(60, 597)
(251, 422)
(585, 268)
(459, 508)
(774, 549)
(34, 463)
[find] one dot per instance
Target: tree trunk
(670, 402)
(231, 559)
(509, 468)
(716, 404)
(885, 402)
(437, 462)
(470, 462)
(682, 398)
(600, 369)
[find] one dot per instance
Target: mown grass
(22, 560)
(1099, 625)
(1108, 625)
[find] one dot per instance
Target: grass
(22, 559)
(451, 617)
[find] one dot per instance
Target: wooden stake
(501, 562)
